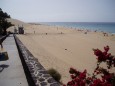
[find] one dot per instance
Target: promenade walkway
(11, 71)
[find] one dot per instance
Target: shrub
(55, 74)
(4, 24)
(107, 77)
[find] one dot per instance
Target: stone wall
(35, 73)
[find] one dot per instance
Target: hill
(16, 23)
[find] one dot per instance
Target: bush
(107, 78)
(4, 24)
(55, 74)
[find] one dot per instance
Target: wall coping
(36, 73)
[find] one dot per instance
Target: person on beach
(46, 33)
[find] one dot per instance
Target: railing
(35, 73)
(3, 38)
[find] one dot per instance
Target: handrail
(3, 38)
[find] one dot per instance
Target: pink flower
(81, 78)
(83, 75)
(82, 83)
(98, 52)
(106, 48)
(73, 77)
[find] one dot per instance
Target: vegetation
(107, 77)
(4, 24)
(55, 74)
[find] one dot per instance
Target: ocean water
(100, 26)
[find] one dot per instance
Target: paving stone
(43, 84)
(13, 74)
(46, 75)
(41, 79)
(51, 80)
(54, 84)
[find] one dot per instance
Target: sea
(99, 26)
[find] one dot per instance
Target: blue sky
(60, 10)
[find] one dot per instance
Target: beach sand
(61, 48)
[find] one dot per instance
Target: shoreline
(80, 25)
(78, 29)
(73, 48)
(61, 48)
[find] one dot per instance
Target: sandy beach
(59, 42)
(61, 48)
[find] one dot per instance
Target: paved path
(13, 73)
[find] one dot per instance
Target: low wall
(35, 73)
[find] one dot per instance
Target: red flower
(98, 52)
(82, 83)
(73, 77)
(108, 78)
(80, 78)
(83, 75)
(71, 83)
(96, 82)
(106, 48)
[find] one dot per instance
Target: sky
(60, 10)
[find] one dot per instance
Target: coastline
(61, 48)
(108, 27)
(71, 48)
